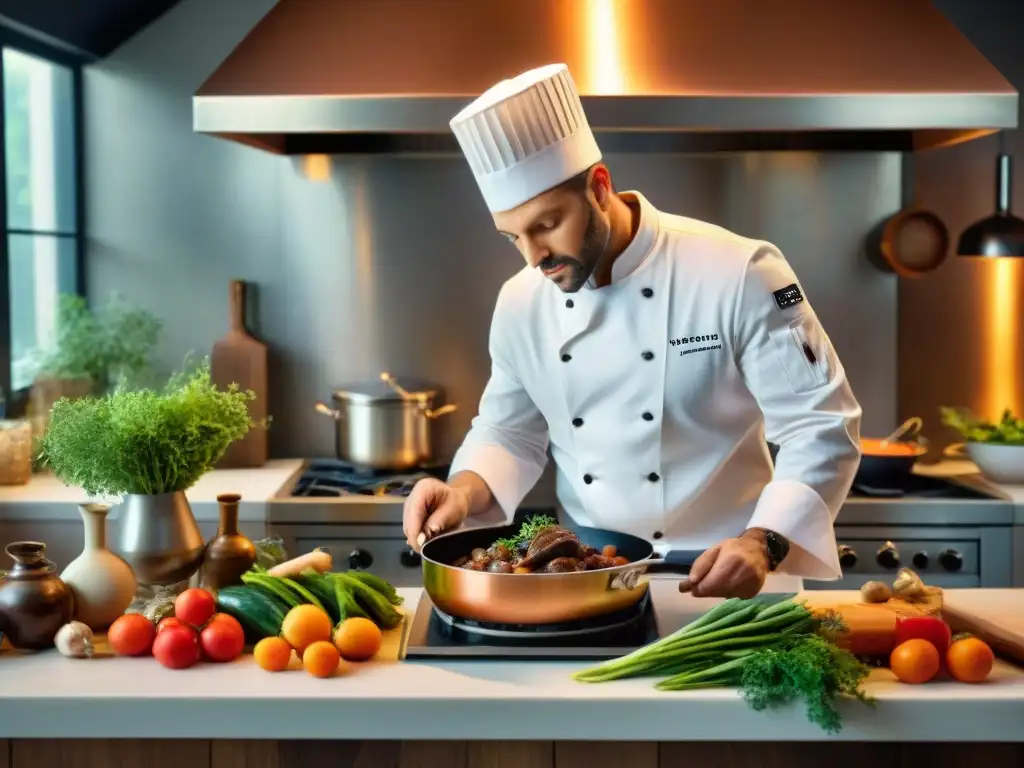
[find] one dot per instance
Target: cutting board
(238, 357)
(994, 615)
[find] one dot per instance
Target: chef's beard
(578, 269)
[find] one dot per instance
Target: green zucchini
(260, 616)
(323, 588)
(347, 605)
(271, 587)
(379, 584)
(304, 594)
(383, 613)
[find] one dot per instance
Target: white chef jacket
(655, 395)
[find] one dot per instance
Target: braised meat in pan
(541, 547)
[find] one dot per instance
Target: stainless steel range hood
(330, 76)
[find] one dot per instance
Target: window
(42, 245)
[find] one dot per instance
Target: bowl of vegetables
(997, 448)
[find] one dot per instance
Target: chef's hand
(734, 568)
(432, 507)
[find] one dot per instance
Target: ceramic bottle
(103, 584)
(229, 554)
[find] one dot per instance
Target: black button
(566, 358)
(658, 534)
(653, 477)
(588, 479)
(647, 292)
(648, 416)
(577, 422)
(569, 303)
(648, 355)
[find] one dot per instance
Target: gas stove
(333, 478)
(955, 532)
(434, 634)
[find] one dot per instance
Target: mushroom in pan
(563, 565)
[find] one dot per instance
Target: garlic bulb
(74, 640)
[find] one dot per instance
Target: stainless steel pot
(385, 425)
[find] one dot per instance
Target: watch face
(778, 548)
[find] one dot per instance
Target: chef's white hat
(525, 136)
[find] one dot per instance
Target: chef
(652, 355)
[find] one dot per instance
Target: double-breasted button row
(648, 355)
(647, 293)
(588, 478)
(646, 416)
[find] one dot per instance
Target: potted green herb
(93, 351)
(150, 447)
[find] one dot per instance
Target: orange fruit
(272, 654)
(357, 639)
(321, 658)
(969, 660)
(305, 625)
(915, 661)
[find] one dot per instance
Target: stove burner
(435, 635)
(921, 487)
(570, 629)
(332, 477)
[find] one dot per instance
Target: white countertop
(47, 498)
(48, 696)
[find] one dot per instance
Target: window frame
(11, 38)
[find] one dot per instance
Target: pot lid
(381, 391)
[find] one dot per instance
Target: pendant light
(1001, 234)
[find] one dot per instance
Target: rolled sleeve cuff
(796, 511)
(509, 477)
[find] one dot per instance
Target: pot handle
(676, 561)
(325, 410)
(433, 414)
(908, 430)
(955, 451)
(388, 379)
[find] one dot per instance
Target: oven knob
(359, 560)
(410, 558)
(920, 559)
(888, 557)
(951, 560)
(847, 556)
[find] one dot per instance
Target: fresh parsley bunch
(145, 441)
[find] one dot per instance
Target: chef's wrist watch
(776, 546)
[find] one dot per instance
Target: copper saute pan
(541, 598)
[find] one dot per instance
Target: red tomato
(930, 628)
(131, 635)
(177, 647)
(223, 638)
(169, 621)
(195, 606)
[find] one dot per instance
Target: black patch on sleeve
(788, 296)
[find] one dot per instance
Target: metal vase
(160, 539)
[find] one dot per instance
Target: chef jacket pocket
(803, 352)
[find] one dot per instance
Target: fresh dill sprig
(808, 669)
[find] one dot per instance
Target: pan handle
(326, 410)
(675, 561)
